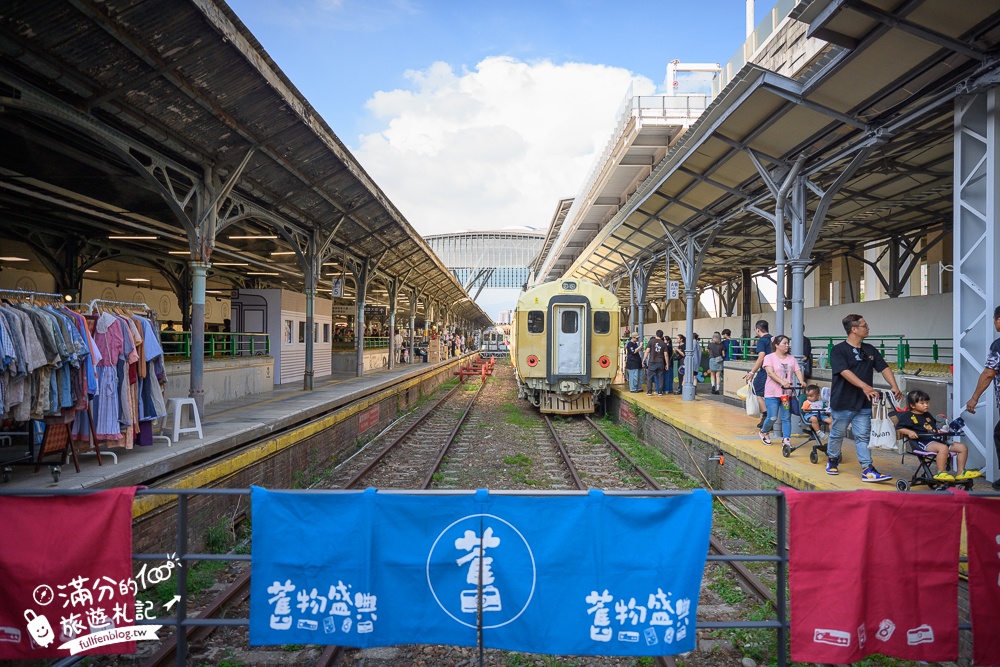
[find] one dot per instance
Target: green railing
(178, 344)
(896, 349)
(371, 343)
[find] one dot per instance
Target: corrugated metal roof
(188, 80)
(891, 86)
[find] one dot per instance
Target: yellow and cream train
(564, 345)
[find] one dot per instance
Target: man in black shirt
(853, 363)
(655, 362)
(633, 363)
(990, 374)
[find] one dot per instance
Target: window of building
(288, 332)
(602, 322)
(315, 332)
(326, 333)
(302, 332)
(536, 321)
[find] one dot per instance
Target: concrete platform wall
(224, 379)
(291, 459)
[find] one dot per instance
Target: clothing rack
(31, 295)
(133, 305)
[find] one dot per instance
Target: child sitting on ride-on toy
(917, 424)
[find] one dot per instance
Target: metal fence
(779, 622)
(178, 344)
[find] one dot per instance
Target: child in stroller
(926, 441)
(816, 411)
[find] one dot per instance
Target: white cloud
(493, 147)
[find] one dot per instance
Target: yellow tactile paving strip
(730, 429)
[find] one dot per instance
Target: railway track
(435, 446)
(587, 465)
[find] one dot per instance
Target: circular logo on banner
(208, 309)
(225, 310)
(109, 294)
(486, 545)
(164, 305)
(532, 360)
(138, 297)
(604, 362)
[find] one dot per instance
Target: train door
(569, 341)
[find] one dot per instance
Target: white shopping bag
(883, 435)
(753, 407)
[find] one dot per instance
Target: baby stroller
(923, 474)
(813, 436)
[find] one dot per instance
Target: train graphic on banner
(564, 343)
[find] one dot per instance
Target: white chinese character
(281, 619)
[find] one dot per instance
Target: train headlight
(604, 362)
(532, 360)
(569, 285)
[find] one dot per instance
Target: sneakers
(786, 442)
(869, 474)
(831, 467)
(823, 435)
(969, 474)
(765, 438)
(944, 476)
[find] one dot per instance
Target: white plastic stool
(175, 406)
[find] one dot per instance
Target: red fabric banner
(873, 572)
(65, 573)
(983, 520)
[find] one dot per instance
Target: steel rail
(451, 438)
(758, 588)
(392, 445)
(235, 592)
(564, 454)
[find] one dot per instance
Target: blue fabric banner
(575, 575)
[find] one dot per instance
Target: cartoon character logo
(831, 637)
(922, 634)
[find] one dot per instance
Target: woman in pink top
(780, 368)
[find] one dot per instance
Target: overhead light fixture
(14, 259)
(178, 252)
(90, 271)
(254, 236)
(282, 252)
(214, 291)
(330, 264)
(230, 263)
(134, 238)
(263, 273)
(138, 280)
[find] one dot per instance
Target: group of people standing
(659, 355)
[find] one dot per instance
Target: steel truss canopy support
(977, 279)
(688, 252)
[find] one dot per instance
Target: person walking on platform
(679, 355)
(991, 373)
(757, 376)
(853, 363)
(716, 355)
(633, 363)
(655, 359)
(781, 368)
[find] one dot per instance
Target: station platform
(728, 430)
(269, 421)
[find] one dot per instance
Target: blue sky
(483, 115)
(339, 52)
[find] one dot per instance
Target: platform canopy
(882, 95)
(166, 118)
